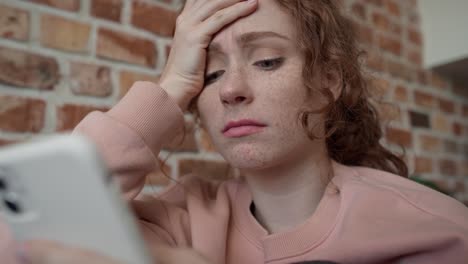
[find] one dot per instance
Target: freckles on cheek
(287, 90)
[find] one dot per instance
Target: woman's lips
(242, 128)
(242, 131)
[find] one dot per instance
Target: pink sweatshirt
(376, 217)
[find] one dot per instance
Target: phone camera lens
(13, 206)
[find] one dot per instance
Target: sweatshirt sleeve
(130, 135)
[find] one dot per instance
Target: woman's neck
(287, 195)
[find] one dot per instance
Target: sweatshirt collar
(299, 239)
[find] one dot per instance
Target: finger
(187, 4)
(209, 8)
(193, 5)
(226, 16)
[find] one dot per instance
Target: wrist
(179, 98)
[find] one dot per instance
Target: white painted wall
(444, 25)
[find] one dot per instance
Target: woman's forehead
(269, 17)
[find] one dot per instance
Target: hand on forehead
(269, 17)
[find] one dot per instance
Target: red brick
(414, 37)
(64, 34)
(4, 142)
(446, 106)
(379, 87)
(393, 8)
(25, 69)
(364, 34)
(69, 5)
(389, 112)
(423, 76)
(430, 143)
(448, 167)
(457, 129)
(160, 176)
(390, 44)
(441, 123)
(460, 187)
(153, 18)
(381, 21)
(422, 165)
(127, 48)
(184, 142)
(211, 170)
(399, 137)
(424, 99)
(399, 70)
(465, 110)
(107, 9)
(88, 79)
(359, 10)
(128, 78)
(415, 57)
(375, 61)
(69, 115)
(463, 165)
(19, 114)
(400, 94)
(14, 23)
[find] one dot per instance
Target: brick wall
(60, 59)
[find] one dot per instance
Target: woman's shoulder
(395, 190)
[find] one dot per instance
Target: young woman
(277, 85)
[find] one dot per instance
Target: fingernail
(21, 255)
(251, 1)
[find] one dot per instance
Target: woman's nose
(235, 91)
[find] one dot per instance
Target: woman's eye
(212, 77)
(269, 64)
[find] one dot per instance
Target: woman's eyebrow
(252, 36)
(247, 38)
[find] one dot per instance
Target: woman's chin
(248, 157)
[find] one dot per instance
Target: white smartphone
(58, 189)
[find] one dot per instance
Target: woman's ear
(333, 80)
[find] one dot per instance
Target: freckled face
(254, 71)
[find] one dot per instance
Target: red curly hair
(352, 124)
